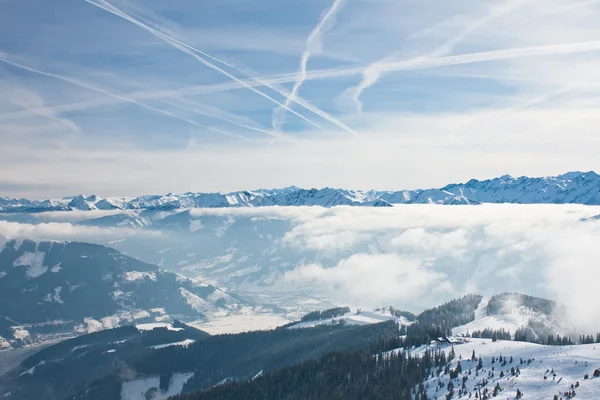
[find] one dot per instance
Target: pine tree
(497, 389)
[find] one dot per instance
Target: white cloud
(66, 231)
(409, 256)
(544, 250)
(375, 279)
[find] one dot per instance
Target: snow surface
(351, 318)
(133, 276)
(183, 343)
(241, 323)
(34, 261)
(137, 389)
(55, 296)
(31, 370)
(570, 363)
(194, 301)
(20, 333)
(150, 326)
(510, 318)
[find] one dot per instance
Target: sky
(119, 97)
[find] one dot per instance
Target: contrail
(313, 45)
(176, 43)
(275, 85)
(5, 58)
(216, 113)
(192, 52)
(495, 55)
(374, 71)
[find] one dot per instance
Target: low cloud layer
(60, 231)
(409, 256)
(416, 256)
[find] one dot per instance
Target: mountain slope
(570, 188)
(537, 371)
(511, 312)
(108, 364)
(69, 288)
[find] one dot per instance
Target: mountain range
(573, 187)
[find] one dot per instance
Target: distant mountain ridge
(570, 188)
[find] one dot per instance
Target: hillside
(106, 364)
(538, 371)
(68, 288)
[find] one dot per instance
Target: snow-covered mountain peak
(572, 187)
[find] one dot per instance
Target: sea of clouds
(411, 256)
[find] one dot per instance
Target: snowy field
(148, 388)
(569, 363)
(241, 323)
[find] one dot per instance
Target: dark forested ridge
(330, 313)
(338, 375)
(439, 321)
(94, 366)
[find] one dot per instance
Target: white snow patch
(137, 389)
(133, 276)
(54, 297)
(183, 343)
(20, 333)
(2, 274)
(258, 374)
(31, 370)
(141, 314)
(92, 325)
(351, 318)
(56, 268)
(150, 326)
(196, 302)
(4, 344)
(241, 323)
(34, 263)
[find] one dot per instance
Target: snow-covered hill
(513, 313)
(354, 318)
(572, 187)
(537, 371)
(54, 289)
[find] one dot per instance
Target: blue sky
(129, 97)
